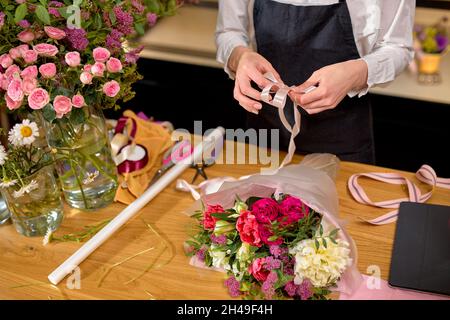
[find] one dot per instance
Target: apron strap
(426, 174)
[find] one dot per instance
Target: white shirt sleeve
(232, 29)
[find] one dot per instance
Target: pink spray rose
(87, 67)
(209, 222)
(15, 53)
(98, 69)
(78, 101)
(111, 88)
(101, 54)
(12, 105)
(4, 82)
(265, 210)
(54, 33)
(257, 270)
(38, 99)
(62, 105)
(30, 56)
(73, 59)
(29, 72)
(12, 72)
(26, 36)
(114, 65)
(248, 228)
(28, 85)
(15, 92)
(45, 50)
(292, 210)
(86, 77)
(6, 60)
(48, 70)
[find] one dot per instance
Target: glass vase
(35, 203)
(4, 212)
(429, 68)
(84, 164)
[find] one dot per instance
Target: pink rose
(73, 59)
(29, 72)
(62, 105)
(15, 92)
(48, 70)
(30, 56)
(248, 229)
(15, 53)
(257, 270)
(86, 77)
(292, 210)
(38, 99)
(265, 210)
(22, 48)
(11, 72)
(78, 101)
(209, 222)
(28, 85)
(46, 50)
(111, 88)
(6, 60)
(114, 65)
(4, 82)
(98, 69)
(54, 33)
(12, 105)
(101, 54)
(26, 36)
(87, 67)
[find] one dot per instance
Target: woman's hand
(249, 66)
(333, 83)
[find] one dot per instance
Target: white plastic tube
(82, 253)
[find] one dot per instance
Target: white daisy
(3, 155)
(7, 183)
(33, 185)
(91, 176)
(24, 133)
(48, 237)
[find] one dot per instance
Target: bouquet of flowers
(277, 236)
(432, 39)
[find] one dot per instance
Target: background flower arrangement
(432, 39)
(270, 248)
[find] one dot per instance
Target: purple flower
(290, 288)
(201, 254)
(271, 263)
(278, 251)
(268, 286)
(113, 42)
(124, 21)
(77, 38)
(233, 286)
(24, 24)
(138, 6)
(2, 19)
(133, 55)
(52, 8)
(442, 42)
(304, 290)
(152, 18)
(220, 240)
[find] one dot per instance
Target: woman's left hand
(333, 83)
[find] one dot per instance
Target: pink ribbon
(425, 174)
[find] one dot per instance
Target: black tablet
(421, 254)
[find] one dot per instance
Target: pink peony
(101, 54)
(38, 99)
(48, 70)
(29, 72)
(54, 33)
(248, 229)
(62, 105)
(98, 69)
(26, 36)
(46, 50)
(73, 59)
(12, 105)
(78, 101)
(30, 56)
(292, 210)
(15, 92)
(28, 85)
(111, 88)
(6, 60)
(114, 65)
(257, 270)
(265, 210)
(86, 77)
(209, 222)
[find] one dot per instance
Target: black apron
(299, 40)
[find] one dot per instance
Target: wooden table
(25, 263)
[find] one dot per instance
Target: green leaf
(49, 113)
(63, 12)
(77, 116)
(324, 242)
(112, 17)
(321, 230)
(42, 14)
(139, 28)
(317, 244)
(43, 2)
(21, 12)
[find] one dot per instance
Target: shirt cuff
(362, 92)
(224, 53)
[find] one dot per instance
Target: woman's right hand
(249, 66)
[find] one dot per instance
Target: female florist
(101, 197)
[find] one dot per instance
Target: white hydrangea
(321, 266)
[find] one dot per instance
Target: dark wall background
(408, 133)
